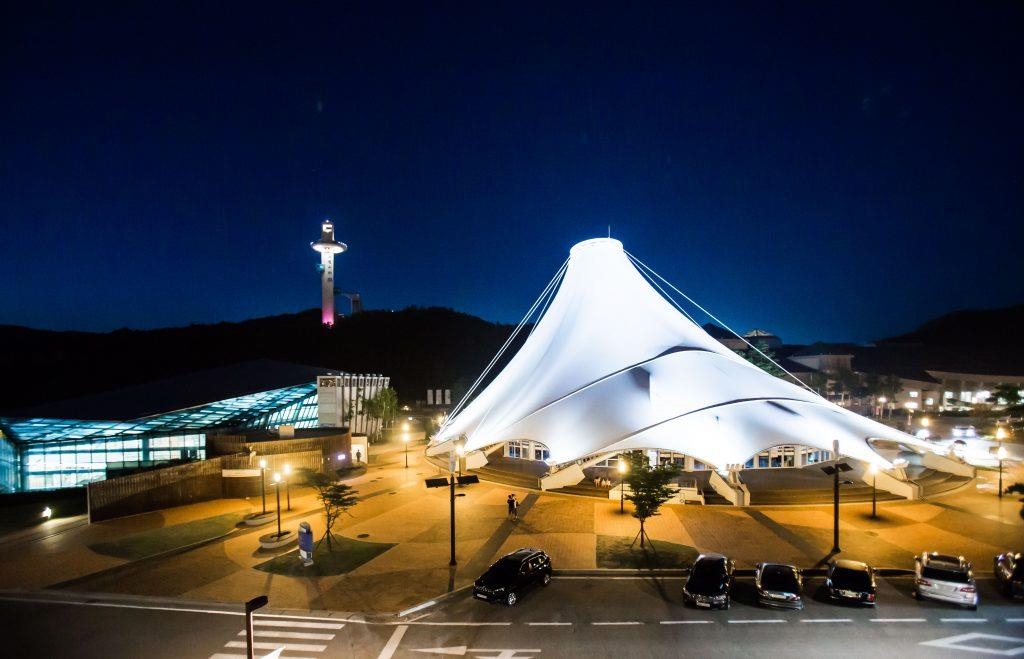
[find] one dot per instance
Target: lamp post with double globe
(287, 485)
(277, 488)
(263, 483)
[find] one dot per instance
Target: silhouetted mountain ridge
(987, 328)
(417, 347)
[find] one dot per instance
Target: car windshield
(939, 574)
(851, 579)
(707, 573)
(503, 570)
(779, 577)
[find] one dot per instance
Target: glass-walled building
(48, 452)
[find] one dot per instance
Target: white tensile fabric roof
(612, 366)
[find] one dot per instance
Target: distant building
(757, 337)
(439, 397)
(342, 401)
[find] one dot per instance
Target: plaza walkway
(397, 509)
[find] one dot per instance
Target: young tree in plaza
(336, 498)
(648, 488)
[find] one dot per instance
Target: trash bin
(305, 543)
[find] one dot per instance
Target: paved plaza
(397, 508)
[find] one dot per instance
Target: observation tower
(328, 247)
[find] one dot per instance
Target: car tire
(511, 599)
(973, 607)
(546, 579)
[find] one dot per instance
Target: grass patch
(155, 541)
(613, 551)
(348, 554)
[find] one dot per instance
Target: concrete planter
(259, 519)
(275, 541)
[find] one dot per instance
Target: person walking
(511, 502)
(515, 508)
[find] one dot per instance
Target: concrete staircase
(713, 498)
(934, 482)
(520, 479)
(584, 488)
(855, 493)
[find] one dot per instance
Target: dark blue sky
(837, 173)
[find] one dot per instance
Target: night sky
(827, 173)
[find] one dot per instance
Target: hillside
(989, 328)
(417, 347)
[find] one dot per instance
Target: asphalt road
(573, 617)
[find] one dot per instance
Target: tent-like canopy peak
(613, 365)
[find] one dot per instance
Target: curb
(682, 572)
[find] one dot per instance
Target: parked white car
(945, 579)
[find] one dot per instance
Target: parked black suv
(851, 581)
(710, 582)
(512, 574)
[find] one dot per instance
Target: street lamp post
(451, 498)
(874, 478)
(834, 470)
(277, 489)
(405, 439)
(623, 468)
(460, 450)
(263, 483)
(1001, 454)
(288, 485)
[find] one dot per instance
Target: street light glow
(287, 470)
(1001, 453)
(277, 477)
(873, 469)
(1000, 434)
(623, 467)
(263, 463)
(47, 513)
(925, 422)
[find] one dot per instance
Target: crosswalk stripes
(288, 636)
